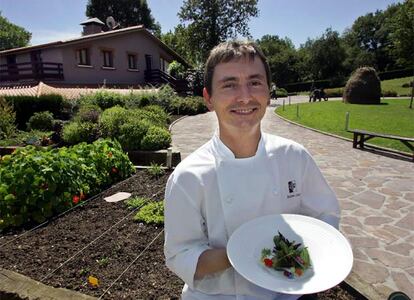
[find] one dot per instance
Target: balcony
(157, 77)
(31, 70)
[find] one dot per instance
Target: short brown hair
(228, 51)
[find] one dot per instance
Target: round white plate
(329, 251)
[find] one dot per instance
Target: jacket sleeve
(185, 238)
(318, 199)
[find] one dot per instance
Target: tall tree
(209, 22)
(179, 41)
(12, 36)
(126, 12)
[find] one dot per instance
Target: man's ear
(207, 100)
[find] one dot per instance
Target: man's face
(239, 95)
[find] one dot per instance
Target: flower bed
(37, 254)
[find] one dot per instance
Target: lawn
(391, 117)
(396, 85)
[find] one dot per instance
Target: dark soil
(102, 240)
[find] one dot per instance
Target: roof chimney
(91, 26)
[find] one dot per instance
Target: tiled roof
(67, 92)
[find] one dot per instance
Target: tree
(210, 22)
(12, 36)
(126, 12)
(282, 57)
(179, 41)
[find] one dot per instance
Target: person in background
(242, 173)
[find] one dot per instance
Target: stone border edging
(405, 154)
(27, 288)
(173, 123)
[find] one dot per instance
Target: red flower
(268, 262)
(75, 199)
(109, 154)
(114, 170)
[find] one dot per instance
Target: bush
(156, 138)
(41, 121)
(156, 114)
(89, 113)
(136, 202)
(132, 133)
(165, 95)
(7, 119)
(363, 87)
(195, 79)
(187, 106)
(281, 92)
(408, 84)
(140, 99)
(25, 106)
(38, 182)
(155, 170)
(111, 120)
(104, 99)
(151, 213)
(77, 132)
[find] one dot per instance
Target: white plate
(329, 251)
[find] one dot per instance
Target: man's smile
(243, 111)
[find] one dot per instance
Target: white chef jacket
(211, 193)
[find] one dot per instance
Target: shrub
(140, 99)
(151, 213)
(77, 132)
(41, 121)
(25, 106)
(363, 87)
(281, 92)
(111, 120)
(7, 119)
(38, 182)
(89, 113)
(156, 138)
(132, 133)
(157, 114)
(187, 106)
(195, 79)
(104, 99)
(165, 95)
(408, 84)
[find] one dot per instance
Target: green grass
(391, 117)
(396, 85)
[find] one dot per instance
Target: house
(130, 56)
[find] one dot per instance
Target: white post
(347, 121)
(289, 99)
(169, 157)
(283, 104)
(297, 110)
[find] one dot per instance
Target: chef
(242, 173)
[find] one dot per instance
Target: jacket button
(229, 199)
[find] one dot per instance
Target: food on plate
(291, 258)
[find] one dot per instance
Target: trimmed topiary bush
(363, 87)
(132, 133)
(111, 120)
(41, 121)
(88, 113)
(156, 138)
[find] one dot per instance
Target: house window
(132, 62)
(164, 65)
(83, 57)
(108, 60)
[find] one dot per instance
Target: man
(239, 175)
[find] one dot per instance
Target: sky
(53, 20)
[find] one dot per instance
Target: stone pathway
(376, 194)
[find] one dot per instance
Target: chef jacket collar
(223, 153)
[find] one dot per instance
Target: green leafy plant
(132, 133)
(77, 132)
(36, 183)
(155, 170)
(7, 119)
(156, 138)
(151, 213)
(88, 113)
(103, 262)
(41, 121)
(136, 202)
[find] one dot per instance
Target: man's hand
(211, 261)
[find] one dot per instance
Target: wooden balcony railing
(31, 70)
(156, 77)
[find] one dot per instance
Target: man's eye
(256, 83)
(229, 85)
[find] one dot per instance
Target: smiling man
(239, 175)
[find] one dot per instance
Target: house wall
(135, 42)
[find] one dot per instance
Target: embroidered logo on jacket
(292, 189)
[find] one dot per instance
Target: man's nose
(244, 94)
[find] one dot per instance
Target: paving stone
(371, 273)
(409, 196)
(342, 193)
(351, 221)
(395, 214)
(348, 205)
(396, 231)
(364, 242)
(377, 220)
(410, 271)
(407, 222)
(358, 254)
(403, 283)
(364, 212)
(349, 230)
(360, 173)
(404, 185)
(384, 235)
(401, 248)
(390, 259)
(373, 200)
(391, 192)
(397, 204)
